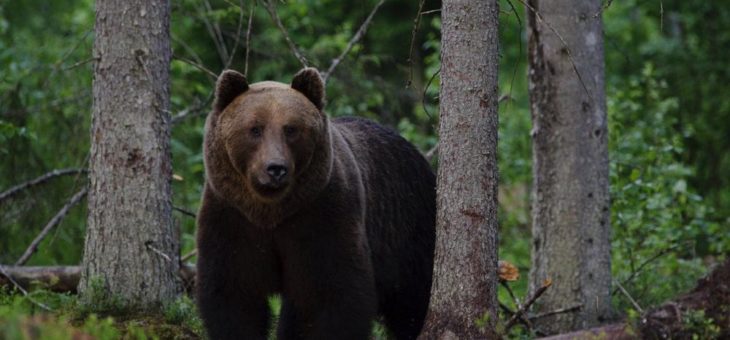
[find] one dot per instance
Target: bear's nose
(276, 171)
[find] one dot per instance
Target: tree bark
(570, 199)
(131, 251)
(464, 293)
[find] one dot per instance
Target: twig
(557, 311)
(416, 24)
(661, 16)
(248, 37)
(432, 152)
(565, 45)
(631, 299)
(188, 49)
(184, 211)
(425, 89)
(238, 32)
(75, 199)
(527, 305)
(431, 11)
(198, 109)
(511, 293)
(519, 40)
(522, 320)
(603, 8)
(198, 66)
(80, 63)
(149, 245)
(25, 292)
(39, 180)
(644, 264)
(215, 33)
(520, 317)
(189, 255)
(57, 65)
(355, 38)
(271, 8)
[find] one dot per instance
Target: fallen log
(59, 279)
(64, 279)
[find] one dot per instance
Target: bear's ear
(310, 83)
(230, 84)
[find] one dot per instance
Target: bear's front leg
(235, 274)
(328, 285)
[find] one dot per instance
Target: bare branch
(425, 89)
(189, 255)
(628, 296)
(271, 8)
(248, 36)
(197, 65)
(184, 211)
(416, 23)
(355, 38)
(215, 33)
(557, 311)
(519, 312)
(431, 11)
(198, 109)
(432, 152)
(39, 180)
(238, 32)
(51, 224)
(645, 263)
(149, 245)
(75, 65)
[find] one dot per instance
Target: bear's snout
(277, 171)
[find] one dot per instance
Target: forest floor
(53, 316)
(702, 313)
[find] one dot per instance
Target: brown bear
(337, 216)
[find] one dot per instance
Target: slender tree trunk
(570, 200)
(131, 251)
(464, 293)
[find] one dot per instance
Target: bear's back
(401, 205)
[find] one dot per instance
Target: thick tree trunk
(131, 251)
(570, 199)
(464, 293)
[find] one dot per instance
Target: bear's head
(267, 144)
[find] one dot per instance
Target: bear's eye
(256, 131)
(290, 131)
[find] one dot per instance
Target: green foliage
(699, 326)
(98, 299)
(661, 224)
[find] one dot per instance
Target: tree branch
(238, 32)
(39, 180)
(248, 36)
(271, 8)
(519, 312)
(355, 38)
(416, 24)
(51, 224)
